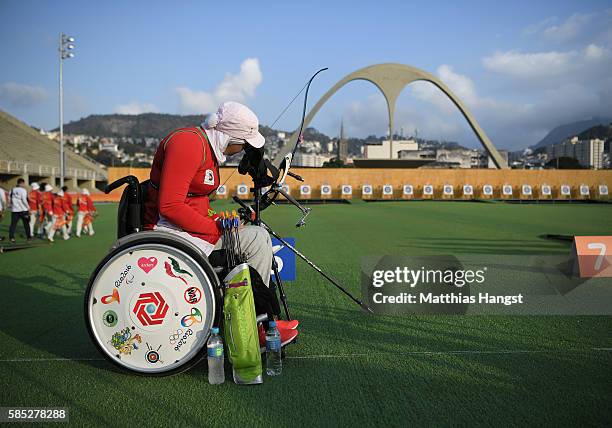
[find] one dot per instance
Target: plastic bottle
(216, 372)
(274, 364)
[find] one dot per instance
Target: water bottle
(274, 365)
(216, 372)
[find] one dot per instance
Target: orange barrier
(419, 179)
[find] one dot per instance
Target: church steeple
(342, 143)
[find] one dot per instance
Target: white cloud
(577, 29)
(462, 86)
(234, 87)
(369, 117)
(569, 30)
(20, 95)
(135, 107)
(539, 67)
(537, 28)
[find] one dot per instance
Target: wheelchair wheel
(150, 304)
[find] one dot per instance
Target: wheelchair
(151, 302)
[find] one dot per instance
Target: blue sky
(521, 67)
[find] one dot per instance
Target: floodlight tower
(66, 45)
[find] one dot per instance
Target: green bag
(240, 327)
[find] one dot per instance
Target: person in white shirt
(2, 206)
(20, 209)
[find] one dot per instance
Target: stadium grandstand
(24, 152)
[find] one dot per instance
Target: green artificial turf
(348, 367)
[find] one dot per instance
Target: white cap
(35, 186)
(60, 193)
(48, 188)
(237, 121)
(85, 192)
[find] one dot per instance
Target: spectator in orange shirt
(69, 209)
(85, 211)
(59, 219)
(47, 209)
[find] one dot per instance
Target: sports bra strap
(202, 135)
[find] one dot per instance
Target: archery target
(408, 189)
(487, 190)
(242, 189)
(366, 189)
(347, 190)
(468, 190)
(565, 190)
(507, 190)
(584, 190)
(305, 189)
(546, 190)
(603, 190)
(447, 190)
(526, 190)
(387, 190)
(428, 190)
(326, 190)
(222, 190)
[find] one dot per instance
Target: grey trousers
(255, 243)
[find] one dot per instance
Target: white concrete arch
(391, 79)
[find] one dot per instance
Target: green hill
(156, 125)
(603, 132)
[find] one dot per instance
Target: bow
(283, 169)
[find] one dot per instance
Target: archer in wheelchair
(178, 268)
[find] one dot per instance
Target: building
(504, 155)
(382, 151)
(447, 158)
(428, 155)
(309, 159)
(588, 153)
(459, 158)
(108, 146)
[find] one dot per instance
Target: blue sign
(285, 259)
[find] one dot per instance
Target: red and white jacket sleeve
(182, 158)
(90, 205)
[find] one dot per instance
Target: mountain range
(569, 130)
(158, 125)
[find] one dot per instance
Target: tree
(334, 163)
(563, 163)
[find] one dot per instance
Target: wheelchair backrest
(130, 214)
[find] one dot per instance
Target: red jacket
(184, 171)
(85, 204)
(47, 202)
(68, 203)
(34, 200)
(58, 205)
(90, 205)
